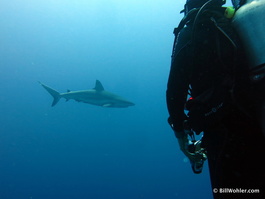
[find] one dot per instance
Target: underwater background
(77, 150)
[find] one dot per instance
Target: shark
(96, 96)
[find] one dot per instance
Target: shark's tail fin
(56, 95)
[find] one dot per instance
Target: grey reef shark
(97, 96)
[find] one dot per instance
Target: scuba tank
(249, 22)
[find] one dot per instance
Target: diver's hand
(183, 144)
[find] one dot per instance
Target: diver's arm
(176, 94)
(176, 98)
(177, 89)
(178, 81)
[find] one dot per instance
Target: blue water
(76, 150)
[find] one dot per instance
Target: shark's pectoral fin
(107, 105)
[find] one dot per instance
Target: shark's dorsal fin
(98, 86)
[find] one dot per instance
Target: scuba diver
(216, 88)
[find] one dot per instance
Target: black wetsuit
(234, 143)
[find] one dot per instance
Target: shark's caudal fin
(56, 95)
